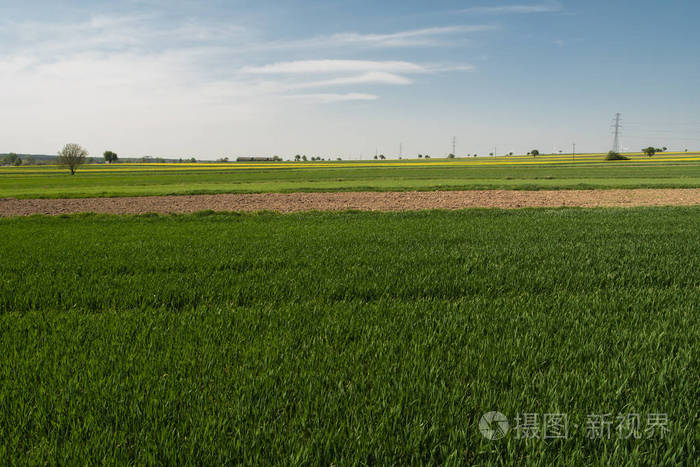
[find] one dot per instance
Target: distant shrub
(614, 156)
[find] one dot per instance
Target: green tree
(12, 159)
(534, 153)
(650, 151)
(110, 157)
(450, 156)
(72, 156)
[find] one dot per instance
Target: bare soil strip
(364, 201)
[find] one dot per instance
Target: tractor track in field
(364, 201)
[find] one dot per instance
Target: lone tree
(110, 157)
(650, 151)
(535, 153)
(72, 156)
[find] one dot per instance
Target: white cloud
(433, 36)
(331, 97)
(142, 85)
(335, 66)
(115, 33)
(374, 77)
(411, 38)
(548, 7)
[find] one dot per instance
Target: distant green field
(544, 172)
(349, 338)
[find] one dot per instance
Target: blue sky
(347, 78)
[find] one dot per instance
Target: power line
(454, 145)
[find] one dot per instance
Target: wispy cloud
(335, 66)
(116, 33)
(425, 37)
(343, 73)
(548, 7)
(410, 38)
(330, 97)
(372, 77)
(153, 75)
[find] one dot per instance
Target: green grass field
(518, 172)
(347, 338)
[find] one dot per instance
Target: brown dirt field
(365, 201)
